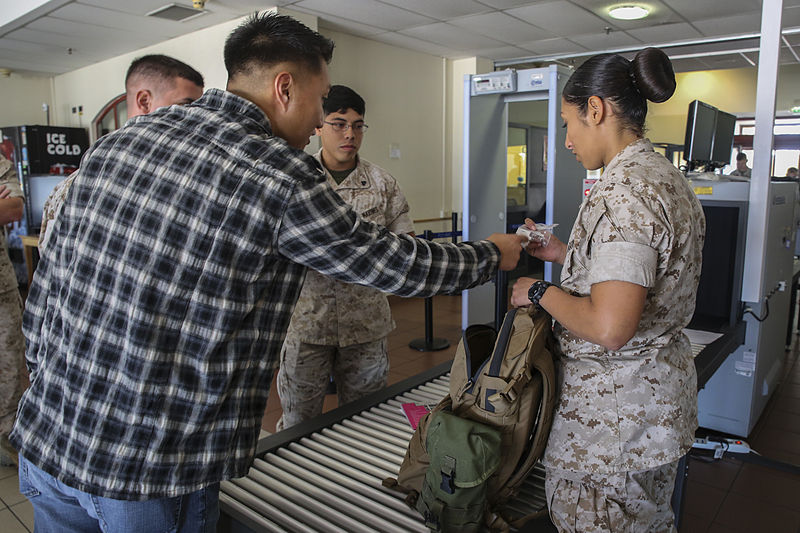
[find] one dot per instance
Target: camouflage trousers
(12, 358)
(630, 502)
(305, 371)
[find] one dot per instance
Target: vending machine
(43, 157)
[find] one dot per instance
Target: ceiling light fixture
(628, 12)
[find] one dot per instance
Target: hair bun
(652, 72)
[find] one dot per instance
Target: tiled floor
(723, 496)
(16, 513)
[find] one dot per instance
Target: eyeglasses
(341, 126)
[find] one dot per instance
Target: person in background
(152, 81)
(157, 313)
(338, 328)
(627, 408)
(742, 170)
(791, 173)
(12, 343)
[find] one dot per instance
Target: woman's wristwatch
(536, 292)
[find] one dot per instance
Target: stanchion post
(429, 343)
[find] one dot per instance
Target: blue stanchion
(430, 343)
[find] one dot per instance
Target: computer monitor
(723, 139)
(700, 125)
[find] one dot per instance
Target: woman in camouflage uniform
(627, 410)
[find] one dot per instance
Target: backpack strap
(543, 364)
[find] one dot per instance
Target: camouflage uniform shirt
(8, 177)
(51, 207)
(634, 408)
(333, 313)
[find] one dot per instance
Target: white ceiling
(57, 36)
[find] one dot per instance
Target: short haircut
(267, 39)
(341, 98)
(741, 156)
(165, 67)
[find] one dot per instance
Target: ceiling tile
(606, 41)
(343, 25)
(81, 45)
(451, 36)
(114, 19)
(560, 17)
(665, 33)
(502, 27)
(785, 57)
(440, 9)
(696, 10)
(790, 17)
(503, 52)
(729, 25)
(688, 65)
(369, 12)
(418, 45)
(725, 62)
(81, 31)
(506, 4)
(552, 47)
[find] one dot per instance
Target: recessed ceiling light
(628, 12)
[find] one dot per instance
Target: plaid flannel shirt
(161, 301)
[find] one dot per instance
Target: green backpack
(501, 402)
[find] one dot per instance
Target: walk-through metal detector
(486, 120)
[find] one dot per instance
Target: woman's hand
(555, 251)
(519, 294)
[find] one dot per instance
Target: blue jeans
(59, 508)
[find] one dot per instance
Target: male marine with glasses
(338, 328)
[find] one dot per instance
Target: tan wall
(23, 97)
(404, 109)
(456, 70)
(732, 90)
(93, 86)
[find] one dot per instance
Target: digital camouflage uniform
(337, 327)
(635, 409)
(51, 206)
(12, 343)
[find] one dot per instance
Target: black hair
(741, 156)
(161, 66)
(268, 39)
(627, 85)
(341, 98)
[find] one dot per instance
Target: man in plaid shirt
(163, 296)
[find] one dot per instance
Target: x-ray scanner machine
(486, 120)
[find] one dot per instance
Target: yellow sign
(703, 190)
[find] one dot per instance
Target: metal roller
(363, 443)
(387, 421)
(235, 498)
(387, 498)
(352, 451)
(348, 509)
(372, 503)
(380, 472)
(325, 475)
